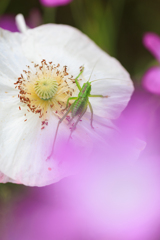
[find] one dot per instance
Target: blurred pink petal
(152, 42)
(116, 197)
(54, 3)
(34, 19)
(7, 22)
(151, 80)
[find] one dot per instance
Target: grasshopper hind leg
(55, 136)
(74, 126)
(91, 109)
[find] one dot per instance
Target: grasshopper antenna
(106, 78)
(92, 70)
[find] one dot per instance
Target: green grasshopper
(79, 106)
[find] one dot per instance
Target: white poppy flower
(37, 71)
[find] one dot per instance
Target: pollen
(44, 89)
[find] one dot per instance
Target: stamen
(45, 89)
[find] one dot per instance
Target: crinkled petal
(151, 80)
(152, 42)
(25, 148)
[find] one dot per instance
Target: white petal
(12, 60)
(118, 93)
(24, 146)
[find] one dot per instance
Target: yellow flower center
(45, 89)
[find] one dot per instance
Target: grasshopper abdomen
(79, 106)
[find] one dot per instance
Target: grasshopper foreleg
(71, 98)
(77, 83)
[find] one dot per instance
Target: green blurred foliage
(117, 26)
